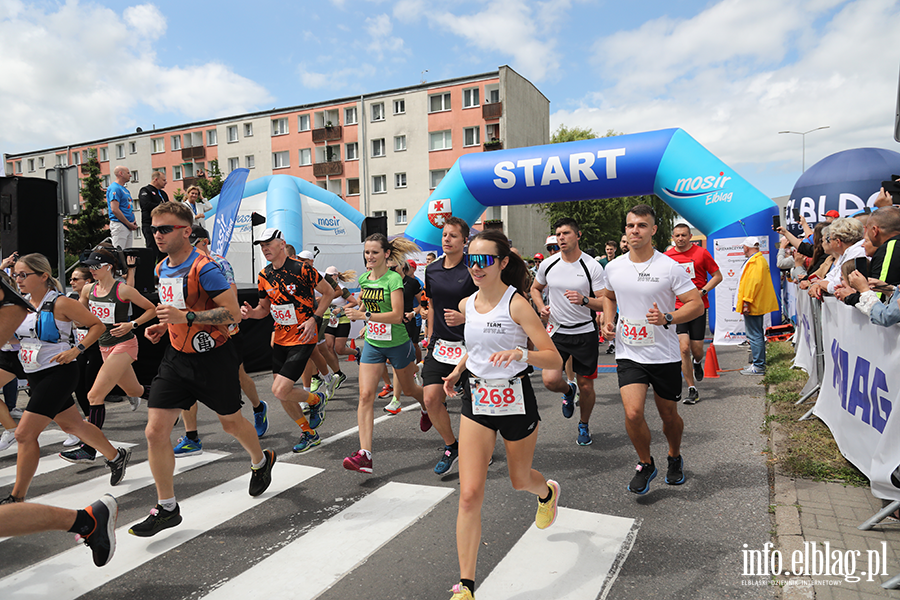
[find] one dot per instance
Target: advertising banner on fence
(859, 394)
(804, 336)
(729, 255)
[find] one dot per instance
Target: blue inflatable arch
(668, 163)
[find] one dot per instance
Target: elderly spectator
(845, 237)
(880, 243)
(119, 207)
(755, 297)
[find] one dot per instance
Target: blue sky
(732, 73)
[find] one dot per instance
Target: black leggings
(89, 363)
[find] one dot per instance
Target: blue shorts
(400, 356)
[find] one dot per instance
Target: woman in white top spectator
(845, 236)
(194, 199)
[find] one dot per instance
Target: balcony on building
(328, 168)
(193, 153)
(492, 110)
(327, 133)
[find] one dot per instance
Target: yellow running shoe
(546, 512)
(461, 592)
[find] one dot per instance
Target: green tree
(604, 219)
(211, 185)
(87, 229)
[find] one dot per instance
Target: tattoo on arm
(214, 316)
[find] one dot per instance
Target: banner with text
(729, 255)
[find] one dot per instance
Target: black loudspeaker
(144, 275)
(373, 225)
(29, 217)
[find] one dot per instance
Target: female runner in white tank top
(498, 396)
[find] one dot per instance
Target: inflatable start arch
(668, 163)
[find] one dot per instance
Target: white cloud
(379, 29)
(335, 79)
(739, 72)
(80, 71)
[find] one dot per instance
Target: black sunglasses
(552, 248)
(166, 229)
(481, 261)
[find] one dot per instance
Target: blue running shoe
(568, 399)
(261, 420)
(644, 474)
(317, 411)
(307, 441)
(584, 435)
(186, 447)
(448, 459)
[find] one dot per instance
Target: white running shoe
(72, 440)
(135, 402)
(16, 413)
(331, 383)
(7, 439)
(304, 407)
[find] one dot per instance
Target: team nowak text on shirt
(494, 328)
(647, 278)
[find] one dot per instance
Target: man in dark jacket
(150, 197)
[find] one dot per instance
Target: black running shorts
(696, 329)
(511, 428)
(51, 389)
(210, 377)
(290, 361)
(665, 378)
(583, 349)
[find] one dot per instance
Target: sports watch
(190, 318)
(524, 352)
(585, 300)
(669, 319)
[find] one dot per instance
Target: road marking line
(48, 464)
(45, 438)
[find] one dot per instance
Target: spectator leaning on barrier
(881, 242)
(845, 237)
(755, 297)
(821, 259)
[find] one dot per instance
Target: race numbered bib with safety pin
(449, 353)
(171, 292)
(637, 332)
(28, 354)
(379, 332)
(105, 311)
(497, 397)
(284, 314)
(552, 328)
(80, 334)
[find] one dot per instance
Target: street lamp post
(803, 134)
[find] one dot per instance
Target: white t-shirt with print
(559, 276)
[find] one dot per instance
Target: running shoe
(693, 396)
(314, 385)
(611, 349)
(117, 466)
(70, 441)
(358, 462)
(307, 441)
(261, 478)
(331, 387)
(752, 370)
(158, 520)
(79, 456)
(304, 407)
(11, 500)
(261, 420)
(698, 371)
(461, 592)
(640, 483)
(135, 401)
(568, 404)
(358, 355)
(546, 512)
(394, 406)
(317, 411)
(16, 413)
(341, 378)
(386, 391)
(424, 421)
(186, 447)
(584, 435)
(146, 394)
(448, 459)
(102, 540)
(8, 438)
(675, 472)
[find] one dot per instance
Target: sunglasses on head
(481, 261)
(166, 229)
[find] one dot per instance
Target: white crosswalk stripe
(45, 438)
(48, 464)
(64, 576)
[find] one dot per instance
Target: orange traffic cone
(711, 366)
(352, 358)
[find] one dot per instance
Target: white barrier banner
(729, 255)
(860, 388)
(804, 336)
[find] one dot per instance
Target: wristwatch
(368, 315)
(81, 348)
(524, 352)
(585, 300)
(703, 291)
(669, 319)
(190, 318)
(134, 324)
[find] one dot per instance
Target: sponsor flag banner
(729, 255)
(227, 210)
(805, 339)
(859, 393)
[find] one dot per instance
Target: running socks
(260, 464)
(97, 415)
(84, 523)
(547, 499)
(304, 425)
(168, 504)
(260, 408)
(469, 583)
(193, 436)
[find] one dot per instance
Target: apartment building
(382, 152)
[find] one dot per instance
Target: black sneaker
(568, 401)
(102, 540)
(698, 371)
(11, 500)
(261, 478)
(117, 466)
(693, 396)
(675, 472)
(158, 520)
(640, 483)
(611, 349)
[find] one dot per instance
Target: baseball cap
(751, 241)
(198, 232)
(539, 256)
(268, 235)
(306, 255)
(551, 240)
(412, 264)
(833, 213)
(96, 259)
(332, 270)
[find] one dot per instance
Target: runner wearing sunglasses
(497, 393)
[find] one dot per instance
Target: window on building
(399, 143)
(134, 177)
(157, 145)
(352, 150)
(120, 150)
(439, 102)
(436, 176)
(399, 106)
(280, 126)
(439, 140)
(303, 122)
(492, 93)
(379, 184)
(176, 143)
(193, 139)
(471, 136)
(248, 129)
(350, 116)
(188, 169)
(232, 133)
(177, 173)
(104, 153)
(328, 154)
(400, 216)
(378, 147)
(30, 165)
(106, 181)
(212, 137)
(76, 157)
(470, 97)
(250, 161)
(378, 111)
(18, 167)
(63, 161)
(334, 186)
(281, 160)
(233, 163)
(305, 157)
(132, 147)
(399, 180)
(353, 187)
